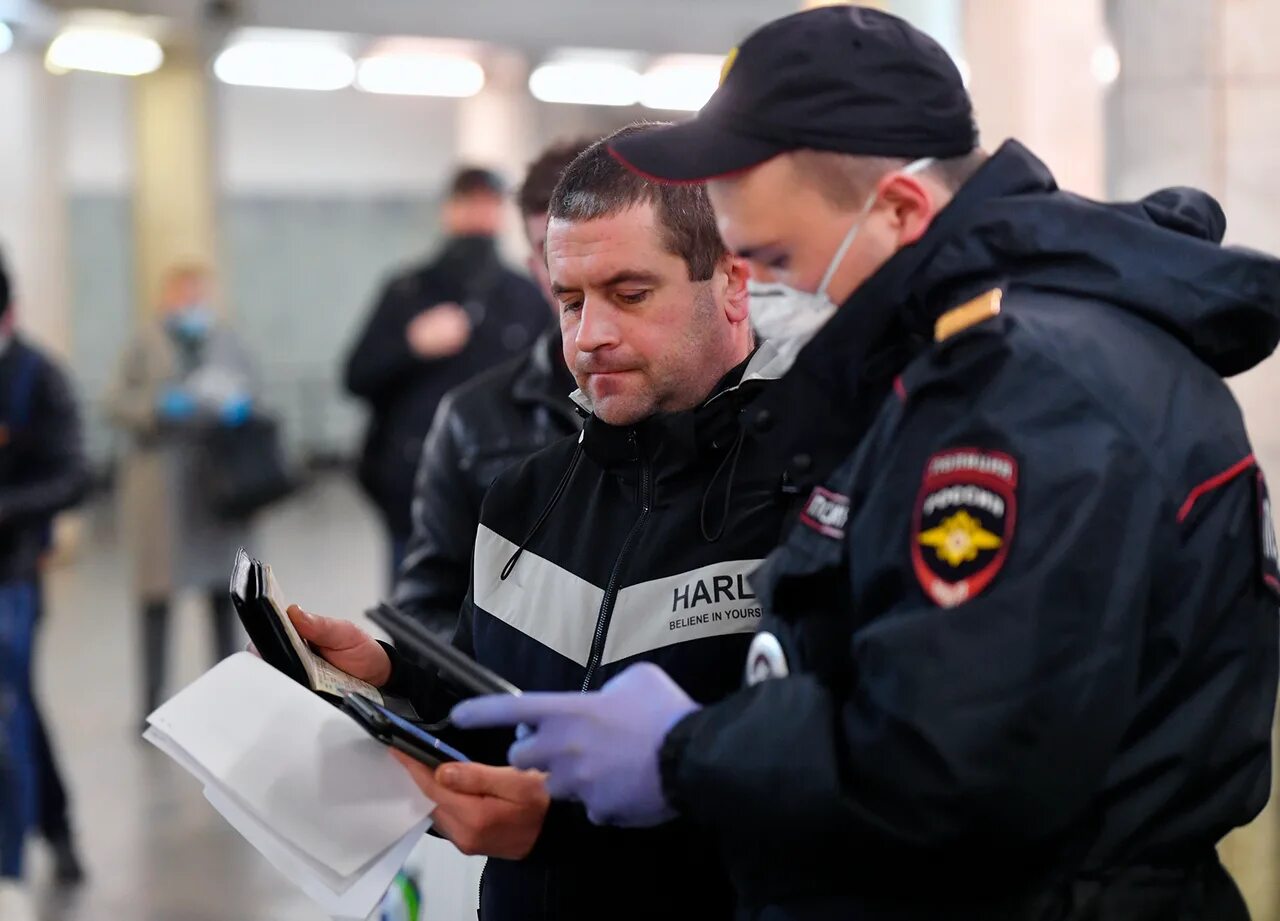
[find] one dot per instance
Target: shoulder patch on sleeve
(1270, 554)
(964, 523)
(826, 512)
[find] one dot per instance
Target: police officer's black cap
(839, 78)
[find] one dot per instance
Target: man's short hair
(475, 180)
(596, 185)
(534, 194)
(847, 180)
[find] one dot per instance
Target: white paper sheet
(361, 895)
(299, 779)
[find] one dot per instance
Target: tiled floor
(155, 850)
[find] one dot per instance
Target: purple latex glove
(176, 405)
(599, 748)
(236, 411)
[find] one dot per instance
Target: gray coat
(176, 541)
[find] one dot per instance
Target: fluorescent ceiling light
(586, 82)
(681, 82)
(420, 74)
(289, 65)
(105, 51)
(6, 37)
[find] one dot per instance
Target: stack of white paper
(324, 803)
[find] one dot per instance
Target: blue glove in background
(601, 748)
(236, 411)
(175, 405)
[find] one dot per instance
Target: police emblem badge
(964, 523)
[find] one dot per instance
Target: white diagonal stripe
(544, 601)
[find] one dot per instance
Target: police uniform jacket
(1029, 626)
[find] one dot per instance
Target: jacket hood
(1160, 258)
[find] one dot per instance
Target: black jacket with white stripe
(623, 545)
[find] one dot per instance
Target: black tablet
(455, 665)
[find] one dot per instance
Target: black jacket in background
(1070, 738)
(481, 428)
(42, 464)
(507, 311)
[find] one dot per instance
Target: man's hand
(342, 643)
(600, 748)
(484, 810)
(439, 331)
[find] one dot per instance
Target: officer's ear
(909, 203)
(736, 303)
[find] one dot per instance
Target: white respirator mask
(781, 313)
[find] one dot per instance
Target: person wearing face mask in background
(181, 376)
(1018, 657)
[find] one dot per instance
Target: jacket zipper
(611, 591)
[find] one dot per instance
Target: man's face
(535, 231)
(478, 214)
(183, 290)
(789, 232)
(639, 336)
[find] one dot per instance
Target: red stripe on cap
(1213, 483)
(613, 151)
(900, 388)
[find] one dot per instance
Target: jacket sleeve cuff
(671, 758)
(554, 827)
(399, 684)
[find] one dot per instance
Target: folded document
(325, 804)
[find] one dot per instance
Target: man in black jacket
(482, 428)
(434, 327)
(628, 544)
(1019, 652)
(42, 471)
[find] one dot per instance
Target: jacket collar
(678, 439)
(542, 376)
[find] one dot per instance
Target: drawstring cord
(546, 511)
(730, 460)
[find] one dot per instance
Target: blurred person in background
(436, 326)
(486, 426)
(183, 376)
(42, 472)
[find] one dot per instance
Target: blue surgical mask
(192, 322)
(782, 313)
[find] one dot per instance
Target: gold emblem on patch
(959, 539)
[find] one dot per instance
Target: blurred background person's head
(476, 204)
(186, 299)
(534, 200)
(653, 308)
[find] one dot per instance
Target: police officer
(1020, 648)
